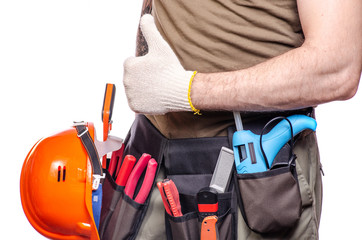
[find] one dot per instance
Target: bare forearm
(299, 78)
(327, 67)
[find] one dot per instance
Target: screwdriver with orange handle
(107, 109)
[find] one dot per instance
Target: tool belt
(190, 163)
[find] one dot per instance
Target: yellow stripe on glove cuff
(195, 110)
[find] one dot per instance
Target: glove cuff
(195, 110)
(177, 98)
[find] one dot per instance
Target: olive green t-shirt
(222, 35)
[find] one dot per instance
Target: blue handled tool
(246, 145)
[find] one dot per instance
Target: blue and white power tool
(246, 145)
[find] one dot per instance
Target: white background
(57, 56)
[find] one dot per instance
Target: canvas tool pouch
(270, 201)
(190, 164)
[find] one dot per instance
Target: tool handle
(272, 143)
(208, 228)
(136, 174)
(107, 110)
(147, 181)
(207, 200)
(173, 197)
(126, 169)
(108, 103)
(280, 134)
(115, 159)
(163, 197)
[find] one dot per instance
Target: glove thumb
(155, 41)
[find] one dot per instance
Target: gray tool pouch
(270, 201)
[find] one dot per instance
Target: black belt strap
(88, 143)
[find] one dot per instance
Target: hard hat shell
(56, 187)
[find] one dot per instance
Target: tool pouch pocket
(188, 226)
(190, 164)
(120, 217)
(270, 201)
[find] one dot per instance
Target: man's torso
(215, 36)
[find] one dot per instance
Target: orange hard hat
(56, 185)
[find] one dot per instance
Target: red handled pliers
(136, 173)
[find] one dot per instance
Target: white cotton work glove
(156, 83)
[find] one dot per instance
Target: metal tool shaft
(238, 122)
